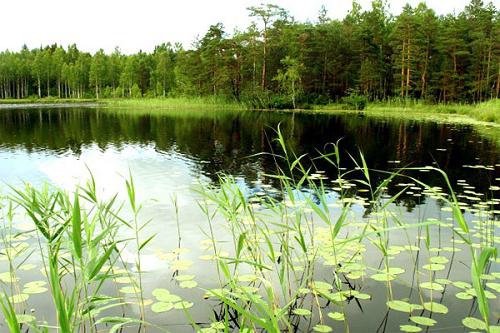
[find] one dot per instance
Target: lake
(170, 154)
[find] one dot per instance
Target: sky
(140, 25)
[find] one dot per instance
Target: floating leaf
(159, 292)
(321, 286)
(188, 284)
(34, 284)
(432, 286)
(462, 285)
(435, 307)
(362, 296)
(463, 295)
(24, 318)
(34, 290)
(409, 328)
(494, 286)
(403, 306)
(161, 307)
(322, 328)
(183, 305)
(336, 316)
(424, 321)
(129, 290)
(301, 312)
(181, 278)
(434, 267)
(438, 260)
(474, 323)
(19, 298)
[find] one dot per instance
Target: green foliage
(355, 101)
(414, 55)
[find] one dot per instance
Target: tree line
(278, 61)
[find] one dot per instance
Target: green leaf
(161, 307)
(322, 328)
(76, 223)
(410, 328)
(339, 316)
(474, 323)
(403, 306)
(435, 307)
(301, 312)
(424, 321)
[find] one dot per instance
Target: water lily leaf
(34, 284)
(301, 312)
(27, 267)
(403, 306)
(181, 265)
(161, 307)
(444, 281)
(424, 321)
(339, 316)
(434, 267)
(410, 328)
(188, 284)
(362, 296)
(321, 286)
(462, 285)
(463, 295)
(322, 328)
(129, 290)
(432, 286)
(181, 278)
(18, 298)
(219, 325)
(183, 305)
(435, 307)
(474, 323)
(494, 286)
(438, 260)
(159, 292)
(24, 318)
(34, 290)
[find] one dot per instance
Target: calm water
(169, 153)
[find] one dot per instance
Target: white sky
(140, 25)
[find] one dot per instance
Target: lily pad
(161, 307)
(435, 307)
(432, 286)
(424, 321)
(410, 328)
(474, 323)
(322, 328)
(339, 316)
(301, 312)
(188, 284)
(403, 306)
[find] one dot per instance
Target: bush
(355, 101)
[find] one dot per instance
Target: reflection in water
(55, 145)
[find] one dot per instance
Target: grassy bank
(483, 112)
(174, 103)
(47, 100)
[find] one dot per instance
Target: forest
(280, 62)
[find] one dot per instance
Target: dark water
(207, 143)
(169, 152)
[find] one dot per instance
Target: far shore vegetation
(367, 58)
